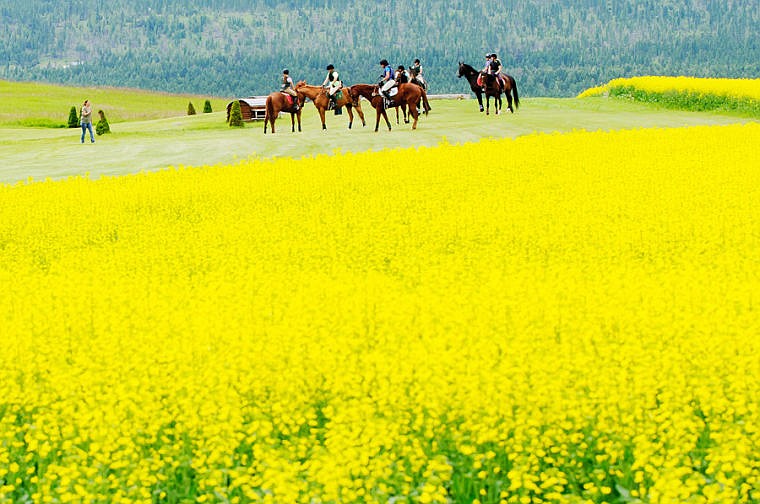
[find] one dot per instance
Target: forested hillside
(239, 47)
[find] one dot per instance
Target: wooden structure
(252, 108)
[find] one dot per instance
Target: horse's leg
(298, 115)
(508, 94)
(415, 115)
(361, 112)
(322, 117)
(292, 122)
(488, 103)
(497, 103)
(406, 117)
(350, 115)
(480, 99)
(386, 119)
(381, 111)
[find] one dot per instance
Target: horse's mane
(469, 68)
(304, 83)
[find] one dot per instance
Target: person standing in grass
(86, 120)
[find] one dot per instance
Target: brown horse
(408, 94)
(318, 96)
(279, 101)
(492, 87)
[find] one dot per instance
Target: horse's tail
(425, 104)
(513, 85)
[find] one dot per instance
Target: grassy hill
(48, 105)
(151, 131)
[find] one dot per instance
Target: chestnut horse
(403, 106)
(318, 96)
(279, 101)
(408, 94)
(510, 89)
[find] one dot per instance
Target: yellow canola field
(555, 318)
(738, 88)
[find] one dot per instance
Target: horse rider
(416, 72)
(493, 67)
(386, 79)
(288, 87)
(401, 76)
(499, 72)
(333, 85)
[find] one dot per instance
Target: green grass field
(151, 131)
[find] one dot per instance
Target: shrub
(236, 116)
(190, 108)
(207, 107)
(102, 127)
(73, 117)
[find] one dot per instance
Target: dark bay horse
(492, 89)
(408, 94)
(318, 96)
(510, 88)
(279, 101)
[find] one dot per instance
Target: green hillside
(39, 104)
(237, 48)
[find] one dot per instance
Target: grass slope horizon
(151, 131)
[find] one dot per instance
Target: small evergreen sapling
(102, 127)
(236, 116)
(73, 118)
(207, 107)
(190, 108)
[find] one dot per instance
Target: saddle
(387, 102)
(292, 101)
(499, 80)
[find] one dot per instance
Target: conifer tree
(236, 116)
(190, 108)
(102, 127)
(73, 117)
(207, 107)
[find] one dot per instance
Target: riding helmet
(286, 72)
(384, 62)
(330, 67)
(401, 67)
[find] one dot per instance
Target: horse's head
(300, 84)
(487, 78)
(460, 72)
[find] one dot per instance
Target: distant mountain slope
(236, 47)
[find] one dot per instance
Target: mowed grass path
(205, 139)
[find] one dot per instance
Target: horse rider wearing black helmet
(493, 67)
(287, 87)
(497, 69)
(386, 79)
(333, 84)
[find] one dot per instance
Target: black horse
(472, 76)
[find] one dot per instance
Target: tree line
(239, 48)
